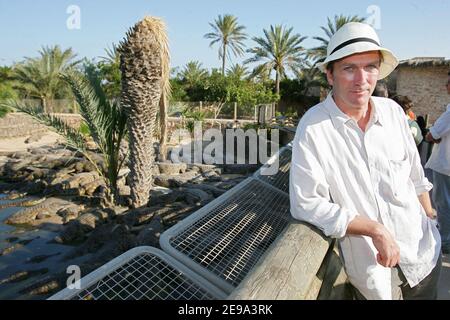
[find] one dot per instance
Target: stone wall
(425, 86)
(20, 124)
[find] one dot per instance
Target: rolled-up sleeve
(309, 191)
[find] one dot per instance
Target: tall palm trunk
(145, 68)
(224, 57)
(44, 104)
(277, 85)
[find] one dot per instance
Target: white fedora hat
(356, 37)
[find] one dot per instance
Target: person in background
(439, 162)
(406, 105)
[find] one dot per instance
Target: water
(33, 245)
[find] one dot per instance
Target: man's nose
(360, 76)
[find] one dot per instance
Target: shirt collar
(339, 118)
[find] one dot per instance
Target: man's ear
(330, 77)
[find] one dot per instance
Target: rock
(107, 242)
(171, 168)
(91, 187)
(10, 249)
(43, 287)
(162, 180)
(206, 167)
(21, 155)
(211, 175)
(76, 229)
(149, 236)
(34, 138)
(13, 166)
(79, 180)
(23, 275)
(179, 211)
(70, 212)
(142, 215)
(197, 196)
(216, 192)
(166, 199)
(178, 181)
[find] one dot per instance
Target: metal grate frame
(280, 180)
(142, 273)
(223, 240)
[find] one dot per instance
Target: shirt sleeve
(309, 191)
(441, 127)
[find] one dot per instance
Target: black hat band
(346, 43)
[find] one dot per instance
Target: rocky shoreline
(68, 200)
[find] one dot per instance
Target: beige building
(423, 80)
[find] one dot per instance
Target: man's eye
(348, 68)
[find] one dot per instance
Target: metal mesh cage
(224, 240)
(280, 179)
(142, 273)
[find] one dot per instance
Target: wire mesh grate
(280, 179)
(228, 238)
(146, 276)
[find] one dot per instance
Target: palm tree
(238, 72)
(229, 34)
(320, 53)
(144, 63)
(280, 50)
(112, 55)
(193, 73)
(39, 77)
(105, 119)
(109, 67)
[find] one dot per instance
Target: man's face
(354, 79)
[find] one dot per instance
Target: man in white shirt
(356, 175)
(439, 162)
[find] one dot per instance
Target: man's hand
(429, 137)
(388, 251)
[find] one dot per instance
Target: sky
(410, 28)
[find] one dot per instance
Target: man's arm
(425, 201)
(388, 251)
(441, 128)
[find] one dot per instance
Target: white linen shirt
(440, 157)
(339, 172)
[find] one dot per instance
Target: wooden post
(201, 105)
(235, 111)
(289, 268)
